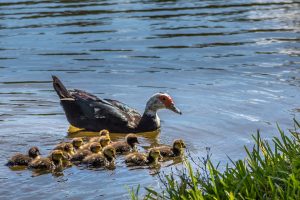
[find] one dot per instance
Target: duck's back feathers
(121, 147)
(41, 164)
(19, 160)
(165, 151)
(92, 113)
(131, 113)
(95, 160)
(86, 146)
(136, 158)
(80, 155)
(95, 139)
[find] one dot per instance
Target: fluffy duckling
(103, 140)
(67, 149)
(103, 132)
(101, 159)
(23, 160)
(54, 161)
(140, 159)
(175, 150)
(125, 146)
(95, 148)
(77, 143)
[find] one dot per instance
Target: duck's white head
(160, 101)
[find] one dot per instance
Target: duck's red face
(169, 103)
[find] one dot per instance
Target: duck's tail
(60, 89)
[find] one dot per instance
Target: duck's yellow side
(80, 132)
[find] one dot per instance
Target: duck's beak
(174, 109)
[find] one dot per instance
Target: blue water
(232, 67)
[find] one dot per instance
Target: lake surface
(232, 67)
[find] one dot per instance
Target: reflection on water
(232, 67)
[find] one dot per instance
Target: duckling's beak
(174, 109)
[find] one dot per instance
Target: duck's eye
(163, 98)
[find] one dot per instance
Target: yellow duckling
(126, 146)
(77, 143)
(140, 159)
(103, 141)
(23, 160)
(103, 132)
(101, 159)
(175, 150)
(95, 148)
(54, 161)
(67, 149)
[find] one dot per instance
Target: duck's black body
(84, 110)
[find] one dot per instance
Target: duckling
(103, 132)
(23, 160)
(54, 161)
(140, 159)
(67, 149)
(103, 140)
(95, 148)
(176, 150)
(101, 159)
(127, 145)
(77, 143)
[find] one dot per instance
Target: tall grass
(267, 172)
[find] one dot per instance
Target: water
(231, 66)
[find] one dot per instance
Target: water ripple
(231, 67)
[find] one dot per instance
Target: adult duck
(84, 110)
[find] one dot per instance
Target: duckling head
(104, 132)
(57, 155)
(178, 145)
(183, 144)
(77, 142)
(95, 147)
(132, 139)
(109, 152)
(68, 147)
(34, 152)
(154, 155)
(104, 141)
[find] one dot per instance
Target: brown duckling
(140, 159)
(175, 150)
(23, 160)
(103, 140)
(77, 143)
(103, 132)
(54, 161)
(101, 159)
(125, 146)
(67, 149)
(95, 148)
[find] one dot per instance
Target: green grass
(271, 170)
